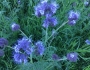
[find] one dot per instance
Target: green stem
(57, 29)
(84, 58)
(10, 47)
(23, 33)
(48, 66)
(46, 35)
(31, 58)
(1, 33)
(61, 59)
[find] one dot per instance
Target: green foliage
(87, 68)
(42, 65)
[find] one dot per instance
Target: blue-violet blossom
(87, 42)
(86, 3)
(73, 22)
(55, 57)
(24, 45)
(73, 17)
(22, 50)
(73, 57)
(15, 27)
(50, 21)
(20, 58)
(45, 8)
(39, 49)
(19, 1)
(1, 52)
(3, 42)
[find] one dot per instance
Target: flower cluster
(47, 9)
(22, 50)
(73, 16)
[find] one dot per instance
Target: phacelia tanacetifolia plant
(73, 57)
(31, 51)
(23, 50)
(3, 42)
(73, 17)
(15, 27)
(44, 8)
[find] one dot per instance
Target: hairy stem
(46, 35)
(57, 29)
(23, 33)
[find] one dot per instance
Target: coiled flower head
(1, 52)
(87, 42)
(73, 17)
(3, 42)
(39, 48)
(73, 57)
(15, 27)
(55, 57)
(86, 3)
(24, 45)
(73, 22)
(49, 21)
(45, 8)
(20, 58)
(22, 50)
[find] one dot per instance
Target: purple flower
(50, 21)
(15, 27)
(73, 57)
(55, 57)
(86, 3)
(20, 58)
(39, 48)
(54, 7)
(19, 1)
(87, 42)
(39, 10)
(45, 8)
(1, 52)
(24, 46)
(22, 50)
(73, 15)
(50, 8)
(3, 42)
(73, 22)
